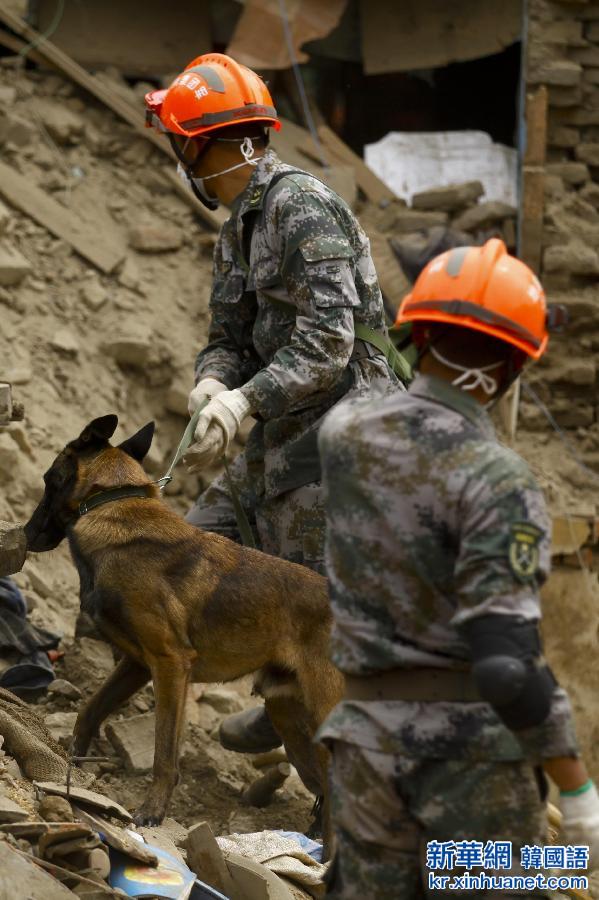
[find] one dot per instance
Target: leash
(243, 524)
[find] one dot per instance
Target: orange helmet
(213, 91)
(485, 289)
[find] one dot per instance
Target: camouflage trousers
(387, 807)
(290, 526)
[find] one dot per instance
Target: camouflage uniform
(425, 516)
(292, 271)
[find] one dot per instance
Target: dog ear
(98, 432)
(138, 445)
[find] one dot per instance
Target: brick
(449, 198)
(574, 258)
(484, 215)
(563, 137)
(133, 739)
(12, 547)
(13, 266)
(588, 153)
(582, 116)
(558, 72)
(572, 172)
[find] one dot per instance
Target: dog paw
(147, 817)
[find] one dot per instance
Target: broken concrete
(33, 882)
(65, 341)
(13, 266)
(450, 198)
(130, 348)
(134, 739)
(61, 726)
(10, 811)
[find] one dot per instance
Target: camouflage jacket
(299, 244)
(430, 522)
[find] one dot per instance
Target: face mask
(198, 185)
(478, 376)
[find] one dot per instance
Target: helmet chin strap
(198, 185)
(477, 375)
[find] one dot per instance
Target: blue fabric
(312, 848)
(23, 644)
(11, 597)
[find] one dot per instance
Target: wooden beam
(533, 179)
(374, 189)
(98, 248)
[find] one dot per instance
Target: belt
(426, 685)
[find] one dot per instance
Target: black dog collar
(119, 493)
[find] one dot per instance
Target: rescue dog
(183, 605)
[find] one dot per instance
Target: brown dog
(183, 605)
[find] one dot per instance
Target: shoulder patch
(524, 550)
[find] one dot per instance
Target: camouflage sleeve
(221, 357)
(315, 264)
(504, 559)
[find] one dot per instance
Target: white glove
(217, 425)
(206, 388)
(580, 821)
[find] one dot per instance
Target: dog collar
(119, 493)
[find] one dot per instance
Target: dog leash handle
(184, 444)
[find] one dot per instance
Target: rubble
(155, 239)
(484, 215)
(449, 199)
(12, 547)
(13, 266)
(134, 740)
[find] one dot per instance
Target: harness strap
(243, 524)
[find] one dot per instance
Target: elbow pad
(509, 670)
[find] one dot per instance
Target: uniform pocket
(328, 271)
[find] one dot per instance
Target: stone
(56, 809)
(62, 124)
(484, 215)
(563, 137)
(38, 582)
(60, 687)
(588, 153)
(134, 739)
(65, 341)
(88, 659)
(590, 193)
(406, 220)
(9, 455)
(572, 414)
(574, 258)
(591, 76)
(13, 546)
(564, 97)
(61, 726)
(560, 31)
(10, 811)
(8, 95)
(129, 276)
(13, 266)
(130, 348)
(5, 217)
(223, 700)
(592, 32)
(155, 238)
(176, 398)
(16, 130)
(573, 173)
(93, 294)
(581, 372)
(559, 72)
(450, 198)
(587, 56)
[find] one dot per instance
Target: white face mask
(247, 151)
(478, 376)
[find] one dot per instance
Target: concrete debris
(223, 700)
(65, 341)
(574, 258)
(11, 811)
(93, 294)
(62, 124)
(130, 348)
(133, 739)
(573, 173)
(484, 215)
(16, 130)
(450, 198)
(84, 797)
(407, 220)
(8, 95)
(12, 542)
(13, 266)
(60, 687)
(34, 883)
(155, 239)
(61, 726)
(55, 809)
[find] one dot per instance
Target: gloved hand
(217, 426)
(580, 820)
(206, 388)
